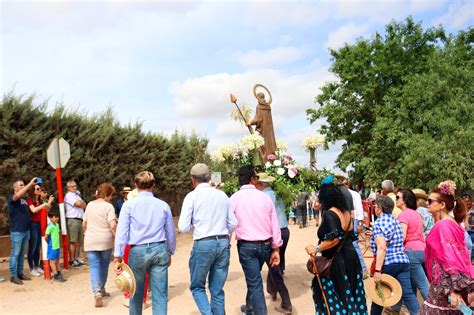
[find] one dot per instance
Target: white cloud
(208, 96)
(230, 128)
(425, 5)
(459, 14)
(345, 34)
(278, 56)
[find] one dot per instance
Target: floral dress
(446, 241)
(344, 287)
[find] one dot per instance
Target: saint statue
(263, 122)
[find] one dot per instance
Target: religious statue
(263, 122)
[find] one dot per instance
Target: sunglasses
(397, 197)
(430, 201)
(38, 189)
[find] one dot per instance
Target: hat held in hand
(126, 282)
(387, 293)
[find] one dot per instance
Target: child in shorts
(52, 236)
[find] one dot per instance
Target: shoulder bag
(322, 265)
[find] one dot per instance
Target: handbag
(322, 265)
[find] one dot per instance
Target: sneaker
(81, 262)
(61, 276)
(98, 299)
(34, 273)
(246, 310)
(40, 270)
(2, 278)
(16, 280)
(76, 264)
(58, 278)
(284, 310)
(126, 302)
(24, 277)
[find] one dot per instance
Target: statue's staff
(233, 99)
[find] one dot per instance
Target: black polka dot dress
(344, 287)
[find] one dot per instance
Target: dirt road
(74, 297)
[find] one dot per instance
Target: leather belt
(214, 237)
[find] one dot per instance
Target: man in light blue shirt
(207, 210)
(146, 223)
(275, 281)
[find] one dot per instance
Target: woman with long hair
(343, 288)
(446, 256)
(99, 224)
(36, 204)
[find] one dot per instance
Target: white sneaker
(2, 278)
(40, 270)
(35, 273)
(126, 302)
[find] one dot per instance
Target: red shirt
(35, 217)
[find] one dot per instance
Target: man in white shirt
(358, 221)
(207, 210)
(74, 206)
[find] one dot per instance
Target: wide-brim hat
(390, 293)
(126, 282)
(420, 193)
(126, 189)
(265, 178)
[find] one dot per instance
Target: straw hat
(265, 178)
(391, 288)
(126, 189)
(126, 282)
(420, 193)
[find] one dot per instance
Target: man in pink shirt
(258, 237)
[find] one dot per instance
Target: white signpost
(58, 154)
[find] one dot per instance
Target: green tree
(403, 104)
(102, 150)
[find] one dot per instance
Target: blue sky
(172, 65)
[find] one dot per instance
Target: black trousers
(275, 281)
(302, 214)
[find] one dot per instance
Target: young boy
(52, 237)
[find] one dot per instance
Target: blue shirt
(388, 227)
(144, 220)
(207, 209)
(19, 214)
(279, 206)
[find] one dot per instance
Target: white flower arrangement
(313, 142)
(281, 145)
(280, 171)
(225, 151)
(252, 142)
(268, 164)
(277, 163)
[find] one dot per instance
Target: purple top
(144, 220)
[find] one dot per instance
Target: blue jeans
(357, 247)
(99, 268)
(152, 258)
(402, 273)
(417, 275)
(252, 256)
(34, 245)
(17, 259)
(209, 257)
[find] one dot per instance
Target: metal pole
(62, 213)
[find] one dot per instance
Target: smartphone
(39, 180)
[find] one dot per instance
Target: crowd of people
(423, 241)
